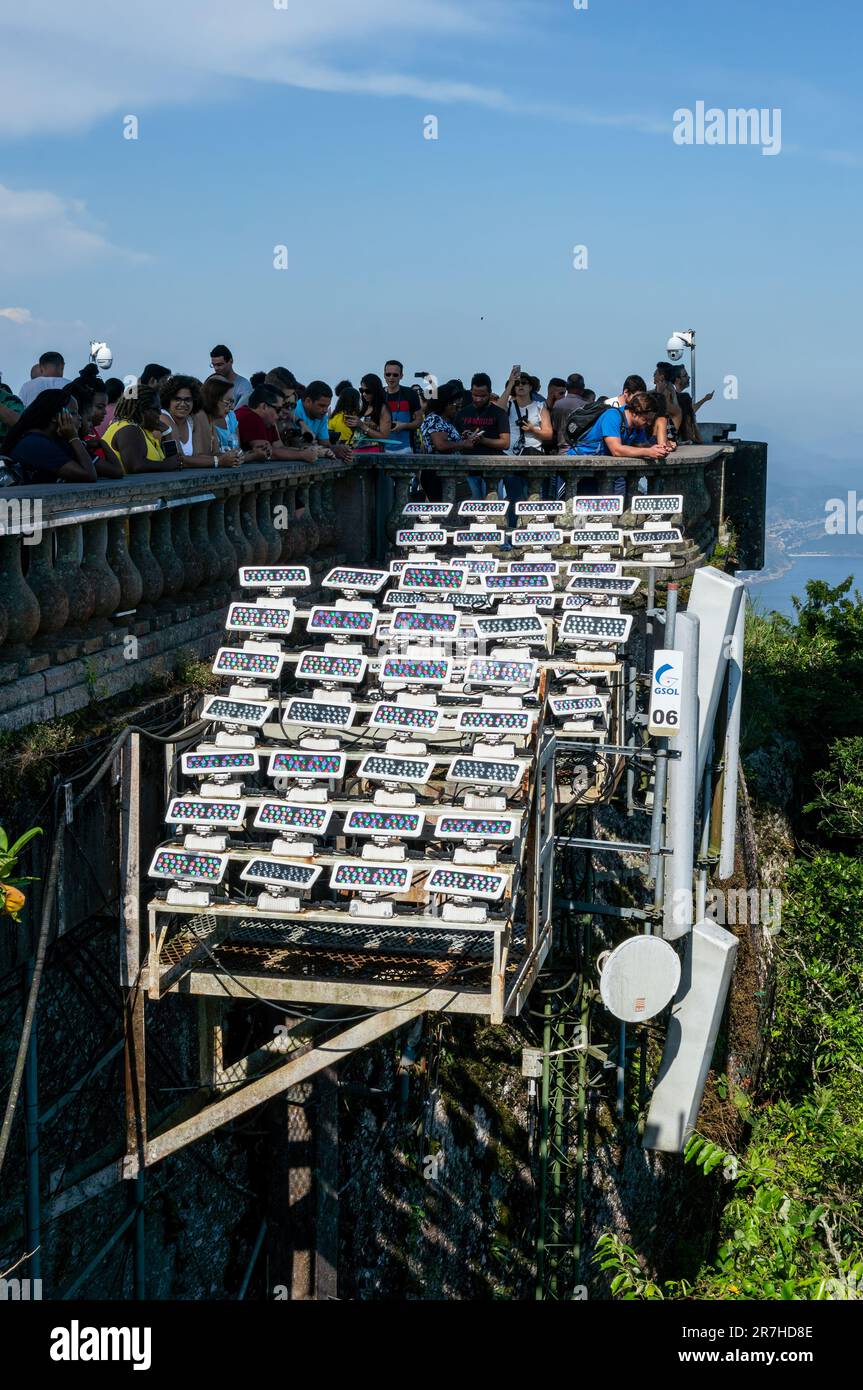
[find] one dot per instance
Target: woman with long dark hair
(90, 404)
(375, 419)
(185, 422)
(45, 443)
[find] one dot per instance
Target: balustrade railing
(82, 565)
(82, 557)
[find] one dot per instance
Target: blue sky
(303, 126)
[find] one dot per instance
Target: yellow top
(337, 425)
(155, 452)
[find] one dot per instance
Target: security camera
(677, 344)
(102, 355)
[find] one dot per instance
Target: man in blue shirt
(623, 433)
(312, 415)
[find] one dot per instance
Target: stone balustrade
(103, 584)
(694, 471)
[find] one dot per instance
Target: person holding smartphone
(45, 443)
(530, 431)
(484, 427)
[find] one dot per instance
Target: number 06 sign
(665, 693)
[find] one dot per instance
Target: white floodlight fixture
(432, 578)
(331, 667)
(194, 872)
(206, 814)
(593, 537)
(426, 620)
(292, 818)
(666, 504)
(511, 585)
(476, 508)
(539, 508)
(404, 720)
(602, 507)
(485, 773)
(305, 765)
(391, 769)
(607, 567)
(611, 586)
(577, 706)
(476, 564)
(505, 672)
(344, 619)
(284, 881)
(470, 600)
(417, 668)
(280, 873)
(421, 538)
(511, 627)
(398, 565)
(476, 827)
(538, 536)
(222, 766)
(497, 722)
(535, 564)
(320, 713)
(543, 603)
(483, 884)
(256, 662)
(247, 714)
(479, 536)
(275, 578)
(398, 598)
(351, 580)
(369, 879)
(594, 628)
(655, 537)
(264, 618)
(384, 823)
(427, 510)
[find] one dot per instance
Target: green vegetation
(792, 1223)
(11, 898)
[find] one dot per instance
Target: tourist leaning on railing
(90, 404)
(185, 422)
(376, 421)
(44, 445)
(135, 433)
(441, 435)
(529, 430)
(258, 428)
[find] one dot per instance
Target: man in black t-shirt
(481, 413)
(405, 408)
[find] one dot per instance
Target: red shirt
(251, 428)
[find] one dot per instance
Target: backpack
(578, 422)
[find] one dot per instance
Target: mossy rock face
(455, 1224)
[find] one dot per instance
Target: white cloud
(16, 315)
(42, 231)
(165, 53)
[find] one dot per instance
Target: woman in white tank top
(181, 401)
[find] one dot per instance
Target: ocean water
(777, 593)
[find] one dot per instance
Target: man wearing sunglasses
(403, 403)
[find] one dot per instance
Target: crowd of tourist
(57, 428)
